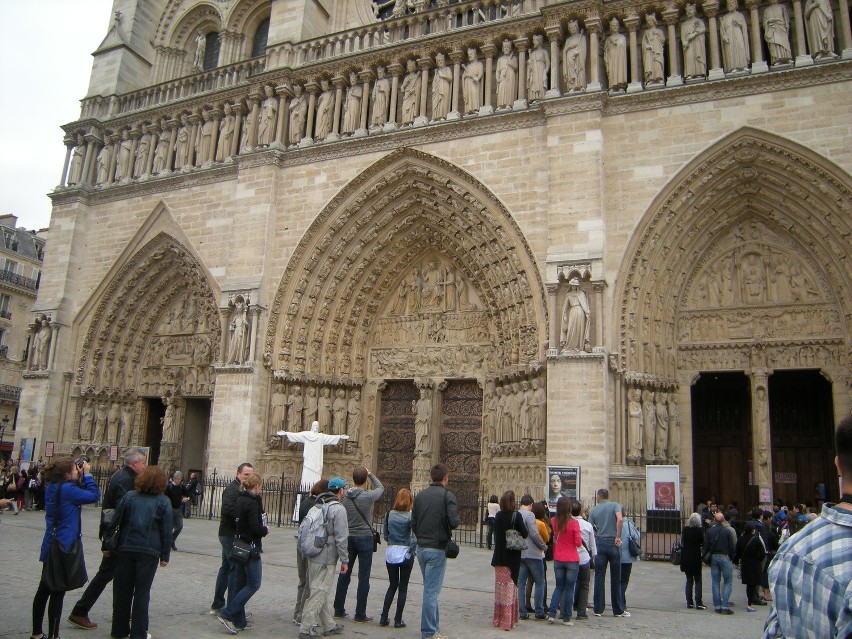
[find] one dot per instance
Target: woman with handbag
(566, 561)
(399, 557)
(630, 552)
(70, 486)
(245, 577)
(144, 521)
(510, 532)
(691, 540)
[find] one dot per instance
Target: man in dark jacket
(721, 540)
(119, 484)
(227, 530)
(435, 514)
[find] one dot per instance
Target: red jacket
(566, 541)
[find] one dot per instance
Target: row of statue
(295, 410)
(103, 421)
(433, 288)
(515, 411)
(653, 427)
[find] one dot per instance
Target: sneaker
(751, 609)
(336, 629)
(229, 625)
(214, 612)
(438, 635)
(700, 607)
(540, 617)
(399, 624)
(598, 614)
(690, 605)
(551, 620)
(623, 614)
(309, 635)
(568, 623)
(248, 615)
(363, 619)
(248, 626)
(727, 611)
(82, 621)
(582, 617)
(340, 615)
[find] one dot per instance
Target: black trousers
(132, 593)
(106, 572)
(51, 600)
(398, 575)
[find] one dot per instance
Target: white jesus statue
(312, 456)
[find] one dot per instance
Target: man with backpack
(323, 539)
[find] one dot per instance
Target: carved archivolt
(407, 214)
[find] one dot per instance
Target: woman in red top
(566, 560)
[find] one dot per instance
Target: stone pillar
(365, 77)
(521, 45)
(488, 51)
(254, 313)
(802, 57)
(845, 31)
(597, 318)
(758, 64)
(113, 141)
(760, 432)
(89, 162)
(554, 34)
(313, 89)
(593, 25)
(553, 346)
(238, 111)
(711, 8)
(395, 71)
(632, 24)
(339, 82)
(225, 323)
(455, 57)
(135, 134)
(670, 16)
(195, 120)
(170, 159)
(425, 64)
(281, 130)
(215, 116)
(69, 149)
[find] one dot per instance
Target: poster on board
(662, 487)
(562, 481)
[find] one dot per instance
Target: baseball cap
(336, 483)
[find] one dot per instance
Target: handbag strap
(55, 523)
(444, 515)
(355, 503)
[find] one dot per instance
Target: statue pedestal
(420, 478)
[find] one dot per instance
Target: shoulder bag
(676, 552)
(242, 551)
(633, 546)
(514, 541)
(63, 570)
(377, 537)
(452, 549)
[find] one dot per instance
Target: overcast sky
(46, 55)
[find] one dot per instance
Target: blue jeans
(563, 595)
(244, 583)
(360, 550)
(534, 568)
(721, 569)
(433, 563)
(226, 541)
(608, 553)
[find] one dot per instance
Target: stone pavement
(182, 592)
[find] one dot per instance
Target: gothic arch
(750, 194)
(407, 206)
(178, 24)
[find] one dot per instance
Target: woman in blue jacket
(62, 513)
(399, 557)
(144, 519)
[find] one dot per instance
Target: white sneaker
(623, 614)
(214, 612)
(229, 625)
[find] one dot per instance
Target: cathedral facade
(503, 234)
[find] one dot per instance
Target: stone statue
(523, 411)
(75, 171)
(324, 408)
(489, 412)
(450, 302)
(415, 283)
(515, 412)
(100, 422)
(227, 126)
(42, 346)
(122, 164)
(692, 31)
(733, 32)
(575, 318)
(431, 293)
(295, 406)
(472, 75)
(279, 409)
(634, 425)
(776, 32)
(102, 165)
(239, 332)
(352, 105)
(538, 67)
(422, 421)
(574, 54)
(325, 114)
(401, 301)
(338, 409)
(674, 429)
(200, 49)
(662, 427)
(353, 415)
(649, 424)
(754, 281)
(506, 75)
(127, 413)
(140, 163)
(820, 23)
(313, 453)
(113, 422)
(168, 421)
(615, 57)
(205, 140)
(161, 153)
(87, 414)
(503, 418)
(268, 115)
(182, 144)
(653, 43)
(410, 93)
(538, 409)
(298, 115)
(381, 99)
(311, 406)
(442, 84)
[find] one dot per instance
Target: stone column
(170, 159)
(455, 57)
(395, 71)
(313, 89)
(238, 111)
(281, 130)
(339, 82)
(214, 115)
(845, 31)
(593, 25)
(113, 141)
(710, 8)
(488, 51)
(69, 149)
(521, 44)
(134, 135)
(553, 347)
(760, 431)
(52, 348)
(154, 131)
(758, 64)
(87, 176)
(365, 77)
(225, 323)
(554, 35)
(195, 120)
(632, 24)
(425, 64)
(802, 57)
(254, 312)
(597, 317)
(670, 16)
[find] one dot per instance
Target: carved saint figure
(279, 409)
(42, 346)
(204, 145)
(662, 427)
(324, 408)
(298, 115)
(820, 23)
(75, 171)
(506, 75)
(524, 411)
(311, 405)
(266, 121)
(113, 422)
(410, 93)
(653, 41)
(200, 49)
(352, 105)
(141, 161)
(415, 282)
(353, 415)
(674, 429)
(574, 54)
(538, 66)
(325, 114)
(401, 301)
(733, 32)
(692, 31)
(776, 32)
(239, 330)
(381, 99)
(634, 425)
(472, 75)
(122, 164)
(422, 420)
(127, 413)
(168, 420)
(100, 422)
(295, 406)
(615, 57)
(754, 282)
(87, 414)
(442, 82)
(338, 409)
(649, 424)
(182, 143)
(431, 294)
(102, 165)
(449, 290)
(313, 453)
(161, 153)
(227, 127)
(499, 409)
(575, 318)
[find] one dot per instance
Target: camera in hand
(83, 459)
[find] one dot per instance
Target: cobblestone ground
(182, 592)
